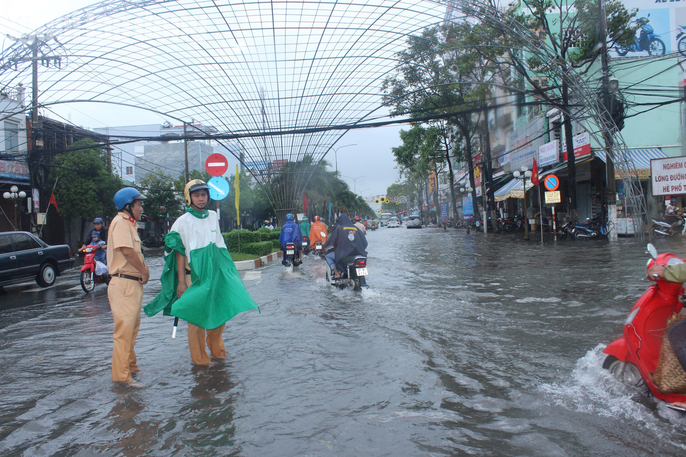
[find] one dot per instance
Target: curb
(260, 261)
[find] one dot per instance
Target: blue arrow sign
(219, 188)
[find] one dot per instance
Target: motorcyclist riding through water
(346, 242)
(290, 233)
(671, 214)
(677, 333)
(318, 232)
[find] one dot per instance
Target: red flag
(54, 202)
(534, 174)
(304, 203)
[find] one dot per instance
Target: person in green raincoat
(200, 283)
(305, 227)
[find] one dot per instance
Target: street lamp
(355, 182)
(524, 175)
(467, 188)
(335, 150)
(15, 195)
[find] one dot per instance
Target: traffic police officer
(129, 272)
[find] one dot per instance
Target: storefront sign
(582, 145)
(548, 154)
(668, 176)
(553, 197)
(522, 145)
(9, 169)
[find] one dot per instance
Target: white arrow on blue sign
(219, 188)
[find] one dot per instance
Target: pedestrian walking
(129, 273)
(200, 283)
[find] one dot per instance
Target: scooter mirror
(652, 252)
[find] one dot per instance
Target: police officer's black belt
(134, 278)
(188, 271)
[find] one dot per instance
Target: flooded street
(463, 344)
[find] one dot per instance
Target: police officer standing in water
(129, 273)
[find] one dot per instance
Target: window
(129, 170)
(573, 37)
(11, 137)
(24, 242)
(5, 244)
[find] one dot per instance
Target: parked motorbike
(663, 229)
(510, 225)
(291, 255)
(89, 278)
(647, 40)
(153, 241)
(353, 276)
(306, 245)
(633, 357)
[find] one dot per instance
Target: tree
(162, 199)
(441, 73)
(573, 36)
(85, 189)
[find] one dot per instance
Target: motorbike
(647, 40)
(634, 356)
(291, 255)
(510, 225)
(354, 275)
(89, 278)
(318, 248)
(306, 245)
(153, 241)
(663, 229)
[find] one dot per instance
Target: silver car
(413, 222)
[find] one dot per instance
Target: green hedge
(276, 246)
(268, 235)
(259, 249)
(247, 237)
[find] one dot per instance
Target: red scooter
(88, 277)
(633, 357)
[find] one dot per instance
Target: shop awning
(512, 189)
(563, 166)
(641, 159)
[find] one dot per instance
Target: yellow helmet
(192, 186)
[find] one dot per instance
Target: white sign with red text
(668, 176)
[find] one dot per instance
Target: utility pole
(610, 188)
(185, 147)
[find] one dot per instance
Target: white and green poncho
(217, 293)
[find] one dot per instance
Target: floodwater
(463, 344)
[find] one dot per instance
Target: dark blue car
(24, 255)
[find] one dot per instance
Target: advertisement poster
(467, 209)
(659, 35)
(444, 212)
(582, 145)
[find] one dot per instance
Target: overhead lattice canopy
(260, 69)
(241, 66)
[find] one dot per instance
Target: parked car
(393, 222)
(413, 222)
(24, 255)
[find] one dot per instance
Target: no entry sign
(551, 182)
(216, 164)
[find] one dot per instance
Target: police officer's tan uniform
(125, 295)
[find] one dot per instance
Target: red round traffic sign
(216, 164)
(551, 182)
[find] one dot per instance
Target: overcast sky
(370, 160)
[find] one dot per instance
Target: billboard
(659, 35)
(668, 176)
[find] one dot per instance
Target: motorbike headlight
(631, 316)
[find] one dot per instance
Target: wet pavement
(463, 344)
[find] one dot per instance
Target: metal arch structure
(273, 75)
